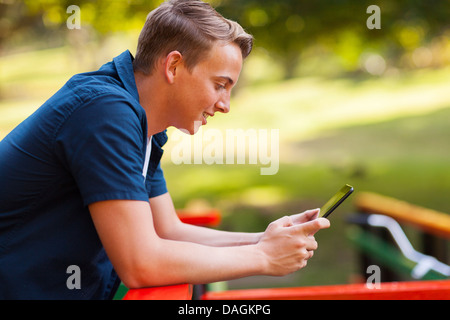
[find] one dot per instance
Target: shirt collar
(124, 67)
(160, 138)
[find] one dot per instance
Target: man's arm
(168, 226)
(142, 258)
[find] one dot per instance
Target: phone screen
(335, 201)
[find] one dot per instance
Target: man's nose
(223, 105)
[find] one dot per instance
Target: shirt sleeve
(102, 145)
(156, 184)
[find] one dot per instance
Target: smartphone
(335, 201)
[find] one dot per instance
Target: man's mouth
(205, 116)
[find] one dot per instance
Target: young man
(82, 185)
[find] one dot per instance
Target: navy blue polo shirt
(87, 143)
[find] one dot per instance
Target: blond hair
(190, 27)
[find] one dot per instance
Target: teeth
(205, 115)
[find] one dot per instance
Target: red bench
(177, 292)
(414, 290)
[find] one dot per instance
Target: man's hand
(289, 242)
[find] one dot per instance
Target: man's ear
(173, 61)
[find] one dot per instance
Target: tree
(286, 28)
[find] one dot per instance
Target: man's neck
(152, 97)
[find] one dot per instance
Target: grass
(355, 129)
(388, 135)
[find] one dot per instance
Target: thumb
(305, 216)
(311, 227)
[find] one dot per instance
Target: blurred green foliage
(24, 20)
(413, 33)
(288, 27)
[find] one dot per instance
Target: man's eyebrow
(230, 81)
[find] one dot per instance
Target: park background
(368, 107)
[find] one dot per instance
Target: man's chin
(192, 129)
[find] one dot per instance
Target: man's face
(205, 90)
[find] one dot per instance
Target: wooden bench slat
(432, 221)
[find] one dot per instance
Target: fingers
(285, 221)
(298, 218)
(311, 227)
(307, 257)
(305, 216)
(305, 254)
(308, 228)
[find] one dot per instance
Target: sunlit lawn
(388, 135)
(346, 127)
